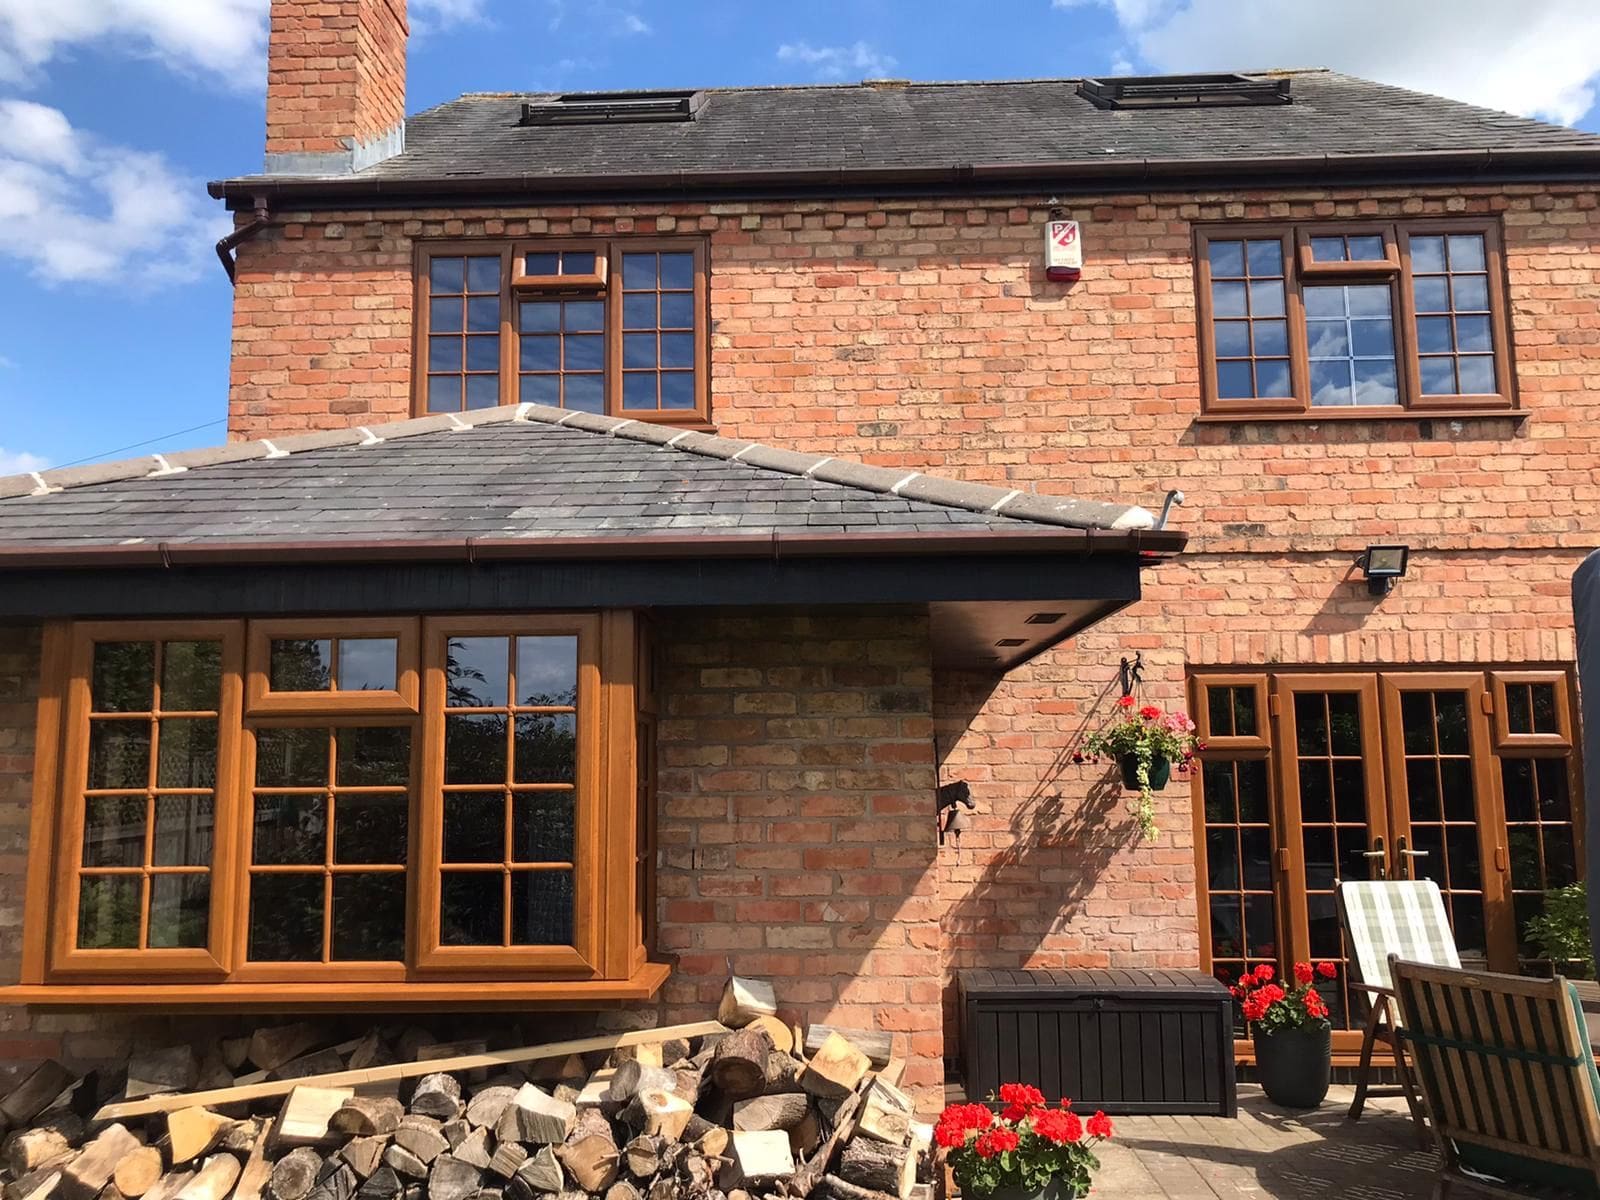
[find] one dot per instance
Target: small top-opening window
(1183, 91)
(603, 108)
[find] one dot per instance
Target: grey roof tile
(1022, 123)
(519, 471)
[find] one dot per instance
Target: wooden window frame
(1235, 745)
(261, 699)
(1396, 270)
(216, 959)
(1531, 744)
(610, 958)
(605, 285)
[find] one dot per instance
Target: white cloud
(858, 60)
(224, 40)
(20, 462)
(74, 208)
(632, 23)
(1543, 61)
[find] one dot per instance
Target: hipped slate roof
(962, 129)
(519, 472)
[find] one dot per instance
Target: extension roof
(960, 136)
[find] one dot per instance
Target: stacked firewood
(744, 1108)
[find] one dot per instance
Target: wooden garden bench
(1508, 1078)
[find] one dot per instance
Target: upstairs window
(1353, 319)
(613, 327)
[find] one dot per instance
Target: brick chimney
(336, 85)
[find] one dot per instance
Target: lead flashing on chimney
(357, 158)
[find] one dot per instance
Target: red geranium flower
(996, 1141)
(1264, 973)
(1303, 973)
(1327, 970)
(1099, 1125)
(1150, 712)
(1059, 1126)
(1314, 1005)
(1124, 701)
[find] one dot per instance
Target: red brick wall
(336, 73)
(797, 839)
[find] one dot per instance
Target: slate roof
(519, 472)
(929, 126)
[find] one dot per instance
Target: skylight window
(1183, 91)
(607, 108)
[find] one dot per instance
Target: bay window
(237, 808)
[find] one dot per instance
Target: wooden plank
(466, 1062)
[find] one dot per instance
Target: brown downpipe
(239, 236)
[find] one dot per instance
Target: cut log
(173, 1069)
(257, 1170)
(835, 1069)
(487, 1106)
(368, 1051)
(403, 1070)
(455, 1132)
(595, 1092)
(633, 1077)
(782, 1035)
(37, 1091)
(642, 1156)
(295, 1174)
(193, 1131)
(437, 1095)
(404, 1163)
(743, 1000)
(34, 1148)
(535, 1116)
(757, 1158)
(673, 1051)
(421, 1136)
(660, 1114)
(35, 1185)
(474, 1148)
(891, 1071)
(713, 1143)
(363, 1154)
(337, 1182)
(590, 1155)
(234, 1052)
(807, 1135)
(622, 1190)
(542, 1171)
(783, 1074)
(505, 1160)
(765, 1113)
(835, 1188)
(365, 1116)
(452, 1179)
(878, 1166)
(739, 1066)
(86, 1174)
(318, 1062)
(170, 1185)
(875, 1044)
(306, 1111)
(563, 1069)
(274, 1045)
(886, 1114)
(138, 1171)
(382, 1184)
(214, 1180)
(818, 1164)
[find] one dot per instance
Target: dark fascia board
(1085, 176)
(307, 588)
(1147, 543)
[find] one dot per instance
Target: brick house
(747, 423)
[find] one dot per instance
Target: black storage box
(1128, 1042)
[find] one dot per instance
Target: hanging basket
(1160, 772)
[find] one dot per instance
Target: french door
(1310, 778)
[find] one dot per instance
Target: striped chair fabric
(1402, 917)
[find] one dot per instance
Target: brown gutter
(242, 234)
(1147, 543)
(959, 176)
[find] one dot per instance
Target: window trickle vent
(606, 108)
(1184, 91)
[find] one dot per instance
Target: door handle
(1406, 855)
(1377, 858)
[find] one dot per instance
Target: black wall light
(1382, 565)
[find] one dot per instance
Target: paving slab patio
(1269, 1152)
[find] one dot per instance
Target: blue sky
(114, 314)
